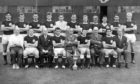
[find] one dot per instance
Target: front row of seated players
(81, 48)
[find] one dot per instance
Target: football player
(49, 24)
(61, 24)
(95, 22)
(109, 45)
(130, 27)
(103, 26)
(85, 25)
(115, 25)
(83, 45)
(7, 27)
(36, 25)
(74, 24)
(22, 25)
(30, 43)
(59, 50)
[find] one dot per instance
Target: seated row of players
(129, 27)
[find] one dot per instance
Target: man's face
(8, 17)
(95, 19)
(16, 31)
(35, 17)
(57, 32)
(49, 17)
(21, 18)
(120, 32)
(70, 31)
(116, 18)
(108, 32)
(95, 32)
(85, 18)
(31, 32)
(61, 18)
(104, 19)
(73, 17)
(129, 18)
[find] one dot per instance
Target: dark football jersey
(73, 25)
(115, 24)
(108, 40)
(129, 25)
(104, 27)
(8, 24)
(94, 25)
(85, 26)
(58, 39)
(48, 24)
(31, 40)
(82, 39)
(22, 25)
(35, 25)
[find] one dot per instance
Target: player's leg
(88, 57)
(114, 53)
(107, 53)
(4, 45)
(36, 54)
(26, 52)
(63, 58)
(56, 52)
(82, 53)
(101, 57)
(132, 42)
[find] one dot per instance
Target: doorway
(103, 12)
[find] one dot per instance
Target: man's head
(116, 18)
(49, 16)
(61, 17)
(45, 31)
(57, 31)
(31, 32)
(35, 17)
(8, 17)
(84, 33)
(95, 30)
(85, 18)
(95, 19)
(120, 32)
(108, 32)
(73, 17)
(129, 16)
(70, 31)
(21, 17)
(16, 31)
(104, 19)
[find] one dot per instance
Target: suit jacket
(45, 43)
(121, 43)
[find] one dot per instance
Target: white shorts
(33, 51)
(5, 39)
(108, 52)
(58, 51)
(131, 38)
(83, 51)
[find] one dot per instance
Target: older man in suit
(45, 47)
(121, 47)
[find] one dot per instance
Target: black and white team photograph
(69, 42)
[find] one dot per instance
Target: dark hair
(57, 28)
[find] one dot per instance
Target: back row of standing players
(8, 26)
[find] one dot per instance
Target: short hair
(57, 28)
(109, 29)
